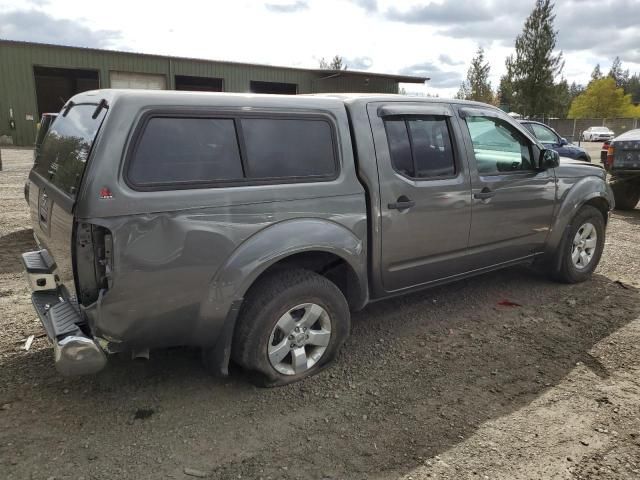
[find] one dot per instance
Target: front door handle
(484, 194)
(403, 203)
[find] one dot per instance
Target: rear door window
(421, 148)
(400, 147)
(285, 148)
(66, 147)
(174, 150)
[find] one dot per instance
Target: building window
(273, 87)
(198, 84)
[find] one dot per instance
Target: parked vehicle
(251, 225)
(550, 139)
(43, 127)
(597, 134)
(623, 163)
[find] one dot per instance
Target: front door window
(498, 147)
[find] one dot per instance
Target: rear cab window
(196, 152)
(66, 147)
(285, 148)
(186, 150)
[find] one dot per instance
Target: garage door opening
(198, 84)
(273, 87)
(147, 81)
(54, 86)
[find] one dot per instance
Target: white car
(597, 134)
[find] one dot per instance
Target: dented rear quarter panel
(181, 258)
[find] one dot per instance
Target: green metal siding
(17, 83)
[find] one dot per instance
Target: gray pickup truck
(251, 225)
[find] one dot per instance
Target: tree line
(529, 85)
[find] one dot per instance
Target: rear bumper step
(75, 353)
(40, 269)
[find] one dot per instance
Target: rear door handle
(401, 205)
(484, 194)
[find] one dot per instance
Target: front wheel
(582, 247)
(292, 324)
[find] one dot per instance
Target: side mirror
(563, 142)
(549, 159)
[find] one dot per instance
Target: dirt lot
(442, 384)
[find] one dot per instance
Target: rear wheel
(582, 248)
(291, 326)
(626, 194)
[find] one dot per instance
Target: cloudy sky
(434, 38)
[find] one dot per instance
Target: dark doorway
(54, 86)
(198, 84)
(274, 87)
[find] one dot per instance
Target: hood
(577, 168)
(631, 135)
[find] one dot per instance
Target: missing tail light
(93, 261)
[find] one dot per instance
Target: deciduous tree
(603, 99)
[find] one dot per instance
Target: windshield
(544, 134)
(600, 129)
(64, 152)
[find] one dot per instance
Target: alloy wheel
(584, 246)
(299, 339)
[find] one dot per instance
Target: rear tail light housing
(610, 153)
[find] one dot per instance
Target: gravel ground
(593, 149)
(446, 383)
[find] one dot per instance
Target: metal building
(38, 78)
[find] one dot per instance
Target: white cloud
(387, 36)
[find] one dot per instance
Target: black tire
(626, 194)
(270, 299)
(565, 271)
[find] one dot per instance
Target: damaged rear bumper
(75, 353)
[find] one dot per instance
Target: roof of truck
(382, 97)
(187, 98)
